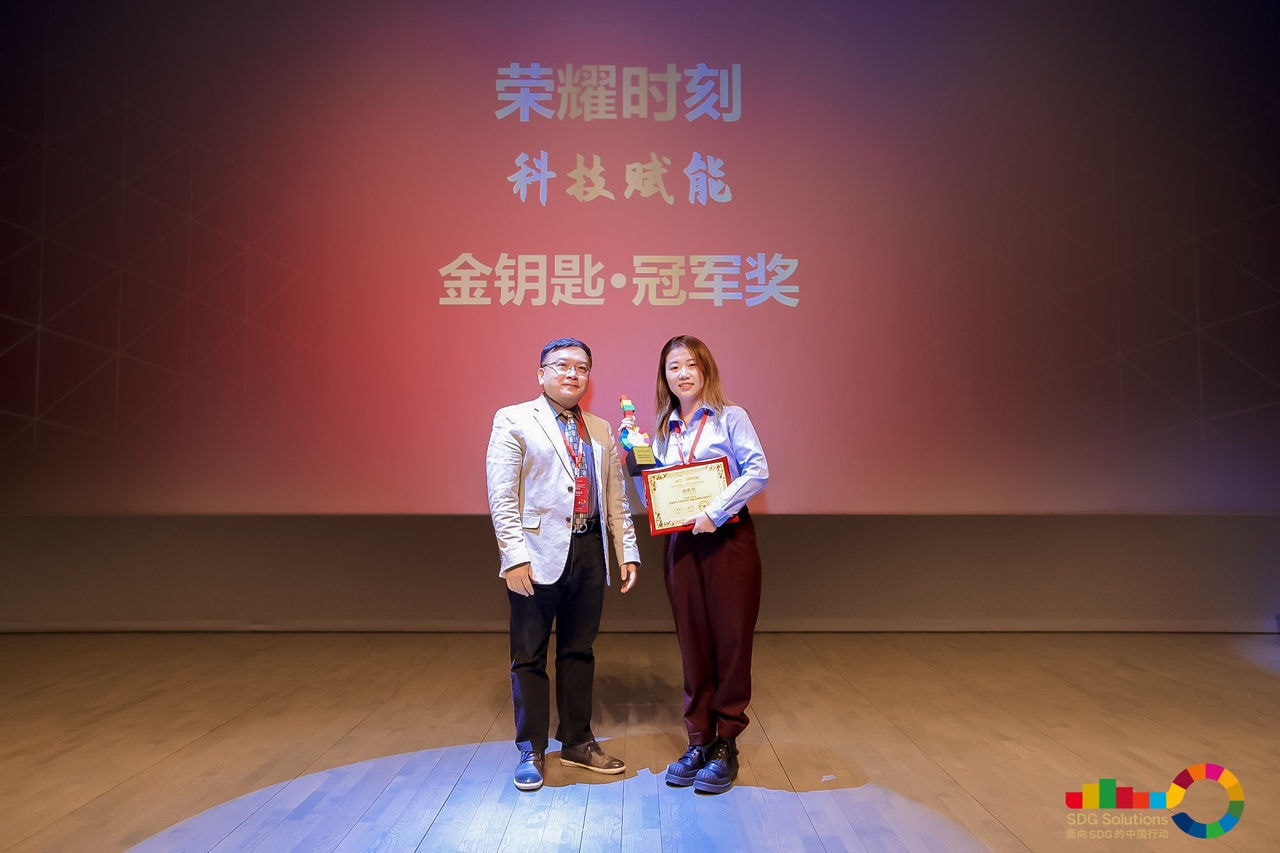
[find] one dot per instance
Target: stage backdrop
(954, 258)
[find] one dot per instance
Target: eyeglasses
(563, 367)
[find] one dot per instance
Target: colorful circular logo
(1216, 773)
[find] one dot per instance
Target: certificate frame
(678, 492)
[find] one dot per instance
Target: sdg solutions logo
(1105, 794)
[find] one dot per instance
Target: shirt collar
(560, 410)
(674, 420)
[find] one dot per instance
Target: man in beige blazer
(558, 501)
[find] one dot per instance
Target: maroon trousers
(713, 582)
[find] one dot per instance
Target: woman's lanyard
(680, 438)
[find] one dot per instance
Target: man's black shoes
(528, 776)
(721, 768)
(590, 757)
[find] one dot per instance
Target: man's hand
(629, 575)
(520, 579)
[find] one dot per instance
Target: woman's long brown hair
(665, 402)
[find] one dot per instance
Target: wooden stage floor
(351, 741)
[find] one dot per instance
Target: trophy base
(640, 459)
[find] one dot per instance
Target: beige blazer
(530, 480)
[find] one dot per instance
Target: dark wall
(1141, 573)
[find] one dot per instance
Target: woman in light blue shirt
(712, 570)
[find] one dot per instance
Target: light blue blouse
(728, 433)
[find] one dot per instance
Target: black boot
(717, 775)
(682, 772)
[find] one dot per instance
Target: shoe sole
(608, 771)
(527, 786)
(711, 787)
(679, 781)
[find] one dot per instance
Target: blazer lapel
(597, 454)
(546, 418)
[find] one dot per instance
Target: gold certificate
(678, 493)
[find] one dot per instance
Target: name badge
(581, 489)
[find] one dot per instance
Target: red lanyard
(698, 435)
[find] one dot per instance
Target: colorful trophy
(636, 443)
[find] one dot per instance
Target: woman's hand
(702, 523)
